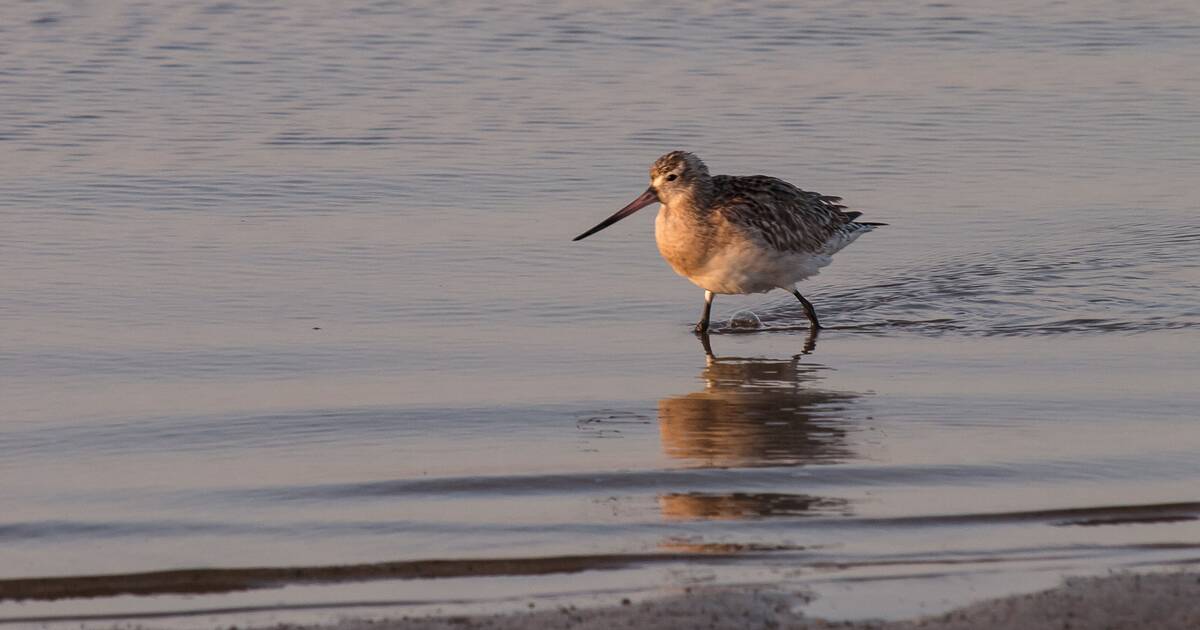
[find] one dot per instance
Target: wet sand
(1165, 601)
(202, 581)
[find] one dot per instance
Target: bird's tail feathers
(846, 235)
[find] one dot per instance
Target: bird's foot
(701, 328)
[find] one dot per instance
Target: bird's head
(677, 175)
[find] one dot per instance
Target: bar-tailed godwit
(735, 235)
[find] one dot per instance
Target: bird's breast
(684, 241)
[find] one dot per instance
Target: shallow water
(293, 286)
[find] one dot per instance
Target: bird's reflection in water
(754, 412)
(747, 505)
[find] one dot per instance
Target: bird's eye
(671, 177)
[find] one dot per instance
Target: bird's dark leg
(702, 325)
(808, 309)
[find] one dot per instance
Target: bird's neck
(685, 225)
(694, 203)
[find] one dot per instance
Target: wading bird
(735, 235)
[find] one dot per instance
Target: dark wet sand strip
(217, 580)
(207, 581)
(1063, 517)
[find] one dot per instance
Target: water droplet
(745, 320)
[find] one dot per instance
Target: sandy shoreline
(1163, 601)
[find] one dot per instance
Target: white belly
(747, 269)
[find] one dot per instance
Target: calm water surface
(291, 285)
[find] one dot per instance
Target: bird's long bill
(646, 199)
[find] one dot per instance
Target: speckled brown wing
(781, 215)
